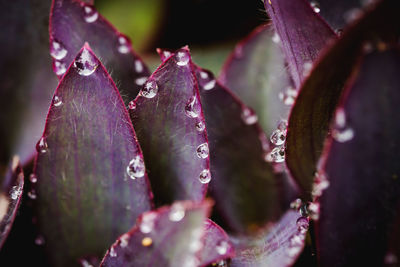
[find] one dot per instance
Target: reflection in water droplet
(182, 57)
(57, 50)
(86, 63)
(15, 192)
(90, 14)
(192, 108)
(132, 105)
(33, 178)
(275, 38)
(315, 6)
(138, 65)
(147, 241)
(41, 146)
(249, 117)
(207, 80)
(222, 247)
(150, 89)
(288, 96)
(276, 155)
(59, 67)
(57, 101)
(205, 176)
(200, 126)
(202, 151)
(123, 45)
(113, 253)
(177, 212)
(141, 80)
(147, 222)
(136, 168)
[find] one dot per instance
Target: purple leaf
(73, 23)
(247, 190)
(169, 236)
(217, 246)
(169, 122)
(256, 72)
(26, 83)
(279, 245)
(91, 177)
(10, 197)
(303, 34)
(317, 100)
(360, 163)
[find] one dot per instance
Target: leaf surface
(92, 181)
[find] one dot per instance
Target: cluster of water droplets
(85, 64)
(58, 52)
(136, 168)
(341, 132)
(277, 139)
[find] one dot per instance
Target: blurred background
(210, 27)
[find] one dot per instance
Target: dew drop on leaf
(276, 155)
(205, 176)
(41, 146)
(202, 151)
(316, 7)
(123, 45)
(113, 253)
(302, 224)
(90, 14)
(182, 57)
(200, 126)
(57, 101)
(86, 63)
(138, 65)
(192, 108)
(136, 168)
(222, 247)
(141, 80)
(57, 50)
(150, 89)
(275, 38)
(59, 67)
(177, 212)
(341, 132)
(248, 116)
(288, 96)
(33, 178)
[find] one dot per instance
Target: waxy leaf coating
(92, 182)
(303, 34)
(279, 245)
(310, 117)
(169, 123)
(360, 208)
(10, 197)
(169, 236)
(72, 23)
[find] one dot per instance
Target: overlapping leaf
(10, 197)
(317, 100)
(73, 23)
(169, 236)
(169, 122)
(360, 163)
(91, 178)
(303, 34)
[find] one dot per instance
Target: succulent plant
(287, 158)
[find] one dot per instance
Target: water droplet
(205, 176)
(321, 183)
(59, 67)
(182, 57)
(39, 240)
(302, 224)
(249, 117)
(141, 80)
(147, 222)
(113, 253)
(33, 178)
(192, 108)
(57, 101)
(202, 151)
(200, 126)
(166, 54)
(221, 263)
(15, 192)
(132, 105)
(307, 66)
(147, 241)
(293, 251)
(313, 210)
(123, 45)
(177, 212)
(390, 258)
(138, 65)
(278, 136)
(222, 247)
(316, 7)
(288, 96)
(91, 14)
(124, 240)
(190, 261)
(85, 263)
(86, 63)
(275, 38)
(150, 89)
(207, 80)
(296, 240)
(41, 145)
(136, 168)
(341, 133)
(32, 194)
(276, 155)
(296, 204)
(57, 50)
(352, 15)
